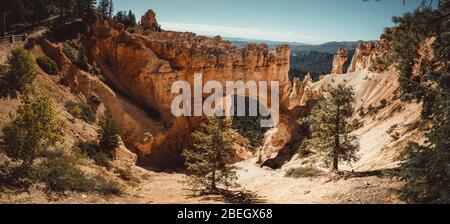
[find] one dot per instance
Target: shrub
(21, 74)
(361, 112)
(395, 136)
(81, 111)
(303, 172)
(76, 53)
(303, 149)
(61, 172)
(383, 104)
(126, 174)
(48, 65)
(106, 187)
(108, 134)
(34, 129)
(93, 152)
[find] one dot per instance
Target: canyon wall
(145, 67)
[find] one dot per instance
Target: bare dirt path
(261, 186)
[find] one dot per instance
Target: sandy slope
(378, 149)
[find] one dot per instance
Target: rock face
(133, 122)
(148, 20)
(145, 67)
(363, 57)
(339, 61)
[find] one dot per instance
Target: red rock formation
(363, 57)
(148, 20)
(145, 67)
(339, 61)
(138, 131)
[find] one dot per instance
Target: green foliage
(48, 65)
(331, 119)
(249, 126)
(126, 174)
(20, 73)
(81, 111)
(92, 151)
(106, 8)
(127, 19)
(206, 163)
(60, 172)
(34, 129)
(303, 172)
(76, 53)
(426, 167)
(108, 134)
(304, 151)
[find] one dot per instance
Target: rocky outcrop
(148, 20)
(339, 61)
(363, 57)
(138, 131)
(145, 67)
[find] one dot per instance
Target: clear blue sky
(304, 21)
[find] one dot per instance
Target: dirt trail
(261, 185)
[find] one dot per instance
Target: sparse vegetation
(92, 151)
(76, 53)
(81, 111)
(425, 167)
(303, 172)
(19, 74)
(33, 130)
(108, 135)
(126, 174)
(249, 126)
(47, 65)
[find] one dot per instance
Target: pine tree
(333, 135)
(34, 129)
(103, 7)
(108, 134)
(131, 19)
(110, 9)
(5, 6)
(206, 163)
(89, 16)
(426, 166)
(21, 74)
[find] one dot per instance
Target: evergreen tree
(108, 134)
(89, 15)
(333, 135)
(110, 9)
(127, 19)
(426, 166)
(5, 6)
(34, 129)
(103, 7)
(21, 74)
(206, 163)
(132, 19)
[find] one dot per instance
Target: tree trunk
(335, 163)
(336, 141)
(213, 180)
(4, 23)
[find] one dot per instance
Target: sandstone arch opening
(249, 126)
